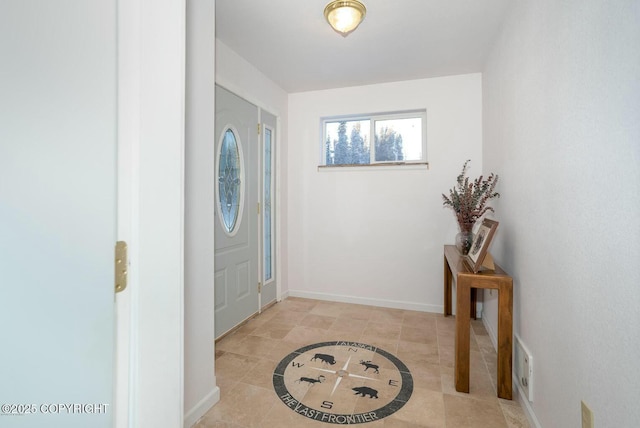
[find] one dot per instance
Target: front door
(236, 222)
(57, 212)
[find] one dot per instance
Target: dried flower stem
(469, 198)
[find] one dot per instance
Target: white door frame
(128, 149)
(149, 384)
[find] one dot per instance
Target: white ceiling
(291, 43)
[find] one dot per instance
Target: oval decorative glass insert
(229, 181)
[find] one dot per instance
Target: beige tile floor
(247, 358)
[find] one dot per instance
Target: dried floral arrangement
(469, 198)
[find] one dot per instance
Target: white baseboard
(394, 304)
(492, 334)
(526, 406)
(200, 409)
(521, 398)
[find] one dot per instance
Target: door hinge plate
(121, 266)
(258, 129)
(259, 287)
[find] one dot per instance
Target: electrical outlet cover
(524, 369)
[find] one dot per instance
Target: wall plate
(524, 368)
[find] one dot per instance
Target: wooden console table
(466, 281)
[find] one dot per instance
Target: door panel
(57, 210)
(236, 248)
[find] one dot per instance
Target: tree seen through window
(348, 142)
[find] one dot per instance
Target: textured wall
(561, 103)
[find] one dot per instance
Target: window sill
(376, 166)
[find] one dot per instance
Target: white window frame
(373, 118)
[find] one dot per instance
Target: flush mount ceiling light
(344, 15)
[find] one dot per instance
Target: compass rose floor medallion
(343, 383)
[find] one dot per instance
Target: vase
(464, 240)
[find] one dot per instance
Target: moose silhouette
(368, 365)
(310, 380)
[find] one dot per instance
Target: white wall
(561, 126)
(375, 235)
(200, 390)
(238, 76)
(158, 289)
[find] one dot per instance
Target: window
(229, 180)
(398, 138)
(267, 203)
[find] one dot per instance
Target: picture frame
(480, 245)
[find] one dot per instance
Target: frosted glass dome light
(344, 16)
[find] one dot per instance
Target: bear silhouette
(365, 390)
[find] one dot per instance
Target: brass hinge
(121, 266)
(259, 287)
(258, 208)
(258, 129)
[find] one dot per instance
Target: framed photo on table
(481, 242)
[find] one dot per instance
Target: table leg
(462, 335)
(505, 319)
(447, 287)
